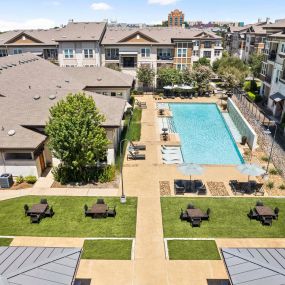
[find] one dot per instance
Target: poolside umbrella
(251, 169)
(190, 169)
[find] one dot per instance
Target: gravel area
(164, 187)
(217, 189)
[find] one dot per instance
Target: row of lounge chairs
(134, 150)
(171, 155)
(249, 187)
(189, 186)
(141, 104)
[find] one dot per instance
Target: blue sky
(48, 13)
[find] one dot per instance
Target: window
(17, 51)
(182, 52)
(264, 68)
(88, 53)
(277, 76)
(282, 48)
(3, 52)
(208, 44)
(196, 43)
(145, 52)
(207, 54)
(68, 53)
(165, 53)
(18, 156)
(181, 66)
(218, 44)
(113, 94)
(195, 53)
(112, 54)
(217, 52)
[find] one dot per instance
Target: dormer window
(138, 36)
(23, 38)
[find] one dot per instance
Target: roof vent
(67, 81)
(52, 97)
(58, 86)
(99, 79)
(11, 133)
(37, 97)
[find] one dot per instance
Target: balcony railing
(164, 57)
(272, 56)
(113, 57)
(268, 79)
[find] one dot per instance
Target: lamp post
(268, 132)
(123, 197)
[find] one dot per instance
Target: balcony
(113, 57)
(165, 57)
(268, 79)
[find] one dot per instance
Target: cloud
(162, 2)
(100, 6)
(39, 23)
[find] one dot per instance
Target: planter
(243, 140)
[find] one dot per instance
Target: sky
(30, 14)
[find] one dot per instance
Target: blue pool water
(205, 137)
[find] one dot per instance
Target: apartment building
(175, 18)
(273, 69)
(156, 47)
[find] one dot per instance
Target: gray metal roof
(277, 96)
(38, 265)
(255, 266)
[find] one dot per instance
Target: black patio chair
(112, 212)
(259, 203)
(100, 201)
(190, 206)
(179, 187)
(202, 190)
(252, 214)
(207, 215)
(43, 201)
(276, 212)
(195, 222)
(86, 211)
(35, 219)
(234, 186)
(266, 221)
(183, 215)
(49, 212)
(26, 209)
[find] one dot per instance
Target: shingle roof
(255, 266)
(38, 265)
(278, 24)
(100, 76)
(20, 83)
(160, 35)
(280, 35)
(82, 31)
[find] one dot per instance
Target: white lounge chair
(170, 151)
(172, 162)
(170, 147)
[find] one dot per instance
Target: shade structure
(168, 87)
(190, 169)
(186, 87)
(251, 169)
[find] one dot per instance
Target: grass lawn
(69, 219)
(107, 249)
(228, 218)
(5, 241)
(193, 250)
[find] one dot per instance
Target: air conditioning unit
(6, 180)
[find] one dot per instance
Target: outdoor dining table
(99, 209)
(194, 213)
(264, 211)
(38, 209)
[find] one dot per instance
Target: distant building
(175, 18)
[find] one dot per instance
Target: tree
(255, 64)
(169, 76)
(145, 75)
(76, 137)
(203, 61)
(201, 76)
(187, 76)
(113, 66)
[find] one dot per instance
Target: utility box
(6, 180)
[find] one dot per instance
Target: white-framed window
(207, 54)
(181, 66)
(207, 44)
(164, 53)
(17, 51)
(195, 53)
(218, 43)
(112, 54)
(196, 43)
(3, 52)
(182, 52)
(283, 48)
(217, 53)
(145, 52)
(68, 53)
(264, 68)
(88, 53)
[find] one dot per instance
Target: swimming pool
(205, 137)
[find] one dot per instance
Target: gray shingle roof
(21, 82)
(38, 265)
(279, 24)
(100, 76)
(255, 266)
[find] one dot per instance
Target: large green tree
(145, 75)
(169, 76)
(203, 61)
(255, 64)
(201, 76)
(75, 134)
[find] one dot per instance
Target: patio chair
(112, 212)
(266, 221)
(161, 112)
(207, 215)
(26, 209)
(183, 216)
(202, 190)
(35, 219)
(252, 215)
(43, 201)
(49, 212)
(259, 203)
(87, 212)
(137, 146)
(276, 212)
(195, 222)
(100, 201)
(190, 206)
(179, 187)
(134, 156)
(234, 186)
(259, 189)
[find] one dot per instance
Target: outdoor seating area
(263, 213)
(250, 187)
(194, 215)
(171, 154)
(37, 212)
(100, 210)
(141, 104)
(189, 186)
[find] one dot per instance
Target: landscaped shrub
(258, 98)
(247, 86)
(108, 174)
(270, 185)
(264, 158)
(30, 179)
(132, 100)
(282, 187)
(134, 92)
(273, 171)
(253, 86)
(20, 179)
(251, 96)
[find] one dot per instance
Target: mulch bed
(20, 186)
(164, 187)
(217, 188)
